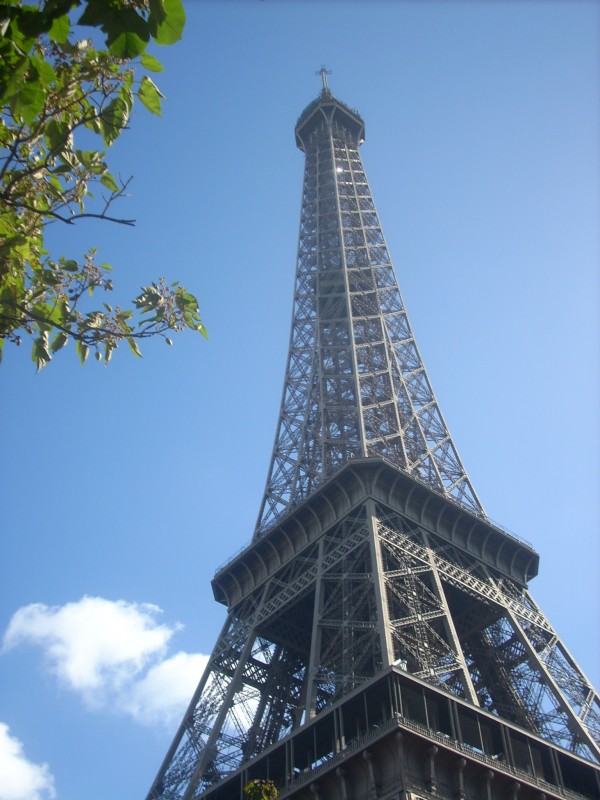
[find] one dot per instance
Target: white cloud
(164, 693)
(21, 779)
(113, 654)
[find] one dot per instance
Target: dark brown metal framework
(355, 383)
(372, 555)
(398, 736)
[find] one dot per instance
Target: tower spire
(324, 72)
(355, 384)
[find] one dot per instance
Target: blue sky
(125, 487)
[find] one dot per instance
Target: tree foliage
(261, 789)
(65, 100)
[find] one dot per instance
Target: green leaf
(45, 71)
(59, 30)
(167, 20)
(90, 160)
(57, 134)
(149, 95)
(151, 63)
(94, 319)
(82, 351)
(114, 118)
(58, 8)
(28, 103)
(39, 352)
(133, 346)
(42, 313)
(128, 33)
(6, 226)
(97, 14)
(127, 45)
(59, 341)
(157, 12)
(109, 182)
(55, 187)
(31, 21)
(15, 83)
(94, 123)
(70, 161)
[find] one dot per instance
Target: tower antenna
(324, 72)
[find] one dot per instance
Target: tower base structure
(381, 643)
(398, 738)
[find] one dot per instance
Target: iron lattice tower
(376, 598)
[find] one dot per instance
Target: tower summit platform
(337, 113)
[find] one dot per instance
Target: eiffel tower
(380, 641)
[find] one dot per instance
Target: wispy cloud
(113, 654)
(21, 779)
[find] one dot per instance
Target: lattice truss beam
(355, 383)
(453, 616)
(376, 590)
